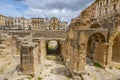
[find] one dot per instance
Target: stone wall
(20, 33)
(100, 53)
(6, 51)
(50, 34)
(116, 50)
(29, 58)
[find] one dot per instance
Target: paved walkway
(95, 73)
(54, 69)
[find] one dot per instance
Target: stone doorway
(95, 41)
(53, 47)
(116, 49)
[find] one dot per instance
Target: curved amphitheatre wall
(109, 27)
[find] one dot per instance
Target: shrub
(98, 65)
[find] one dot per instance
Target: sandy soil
(54, 69)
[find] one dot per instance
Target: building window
(107, 1)
(100, 13)
(53, 20)
(106, 10)
(115, 1)
(18, 21)
(100, 4)
(114, 7)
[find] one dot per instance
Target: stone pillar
(13, 42)
(39, 50)
(29, 59)
(71, 61)
(100, 53)
(82, 58)
(82, 52)
(75, 59)
(43, 50)
(18, 45)
(0, 41)
(63, 50)
(109, 55)
(68, 50)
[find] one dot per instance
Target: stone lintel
(2, 46)
(36, 40)
(15, 36)
(29, 44)
(19, 39)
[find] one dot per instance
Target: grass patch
(50, 58)
(59, 59)
(118, 68)
(50, 48)
(48, 65)
(98, 65)
(110, 67)
(52, 71)
(88, 74)
(25, 79)
(40, 78)
(69, 76)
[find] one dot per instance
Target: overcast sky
(63, 9)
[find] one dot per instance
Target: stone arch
(99, 37)
(116, 49)
(58, 50)
(95, 25)
(94, 44)
(113, 49)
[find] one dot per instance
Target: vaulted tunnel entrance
(116, 49)
(95, 44)
(53, 47)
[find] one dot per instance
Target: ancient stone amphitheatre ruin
(88, 50)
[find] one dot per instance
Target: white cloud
(62, 14)
(9, 10)
(63, 9)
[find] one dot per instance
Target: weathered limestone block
(71, 61)
(82, 52)
(82, 57)
(39, 51)
(74, 57)
(29, 58)
(18, 45)
(43, 49)
(115, 64)
(5, 58)
(28, 38)
(109, 55)
(63, 48)
(100, 53)
(2, 46)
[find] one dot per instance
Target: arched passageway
(95, 42)
(53, 47)
(116, 49)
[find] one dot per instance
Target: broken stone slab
(27, 38)
(36, 39)
(2, 46)
(20, 39)
(29, 44)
